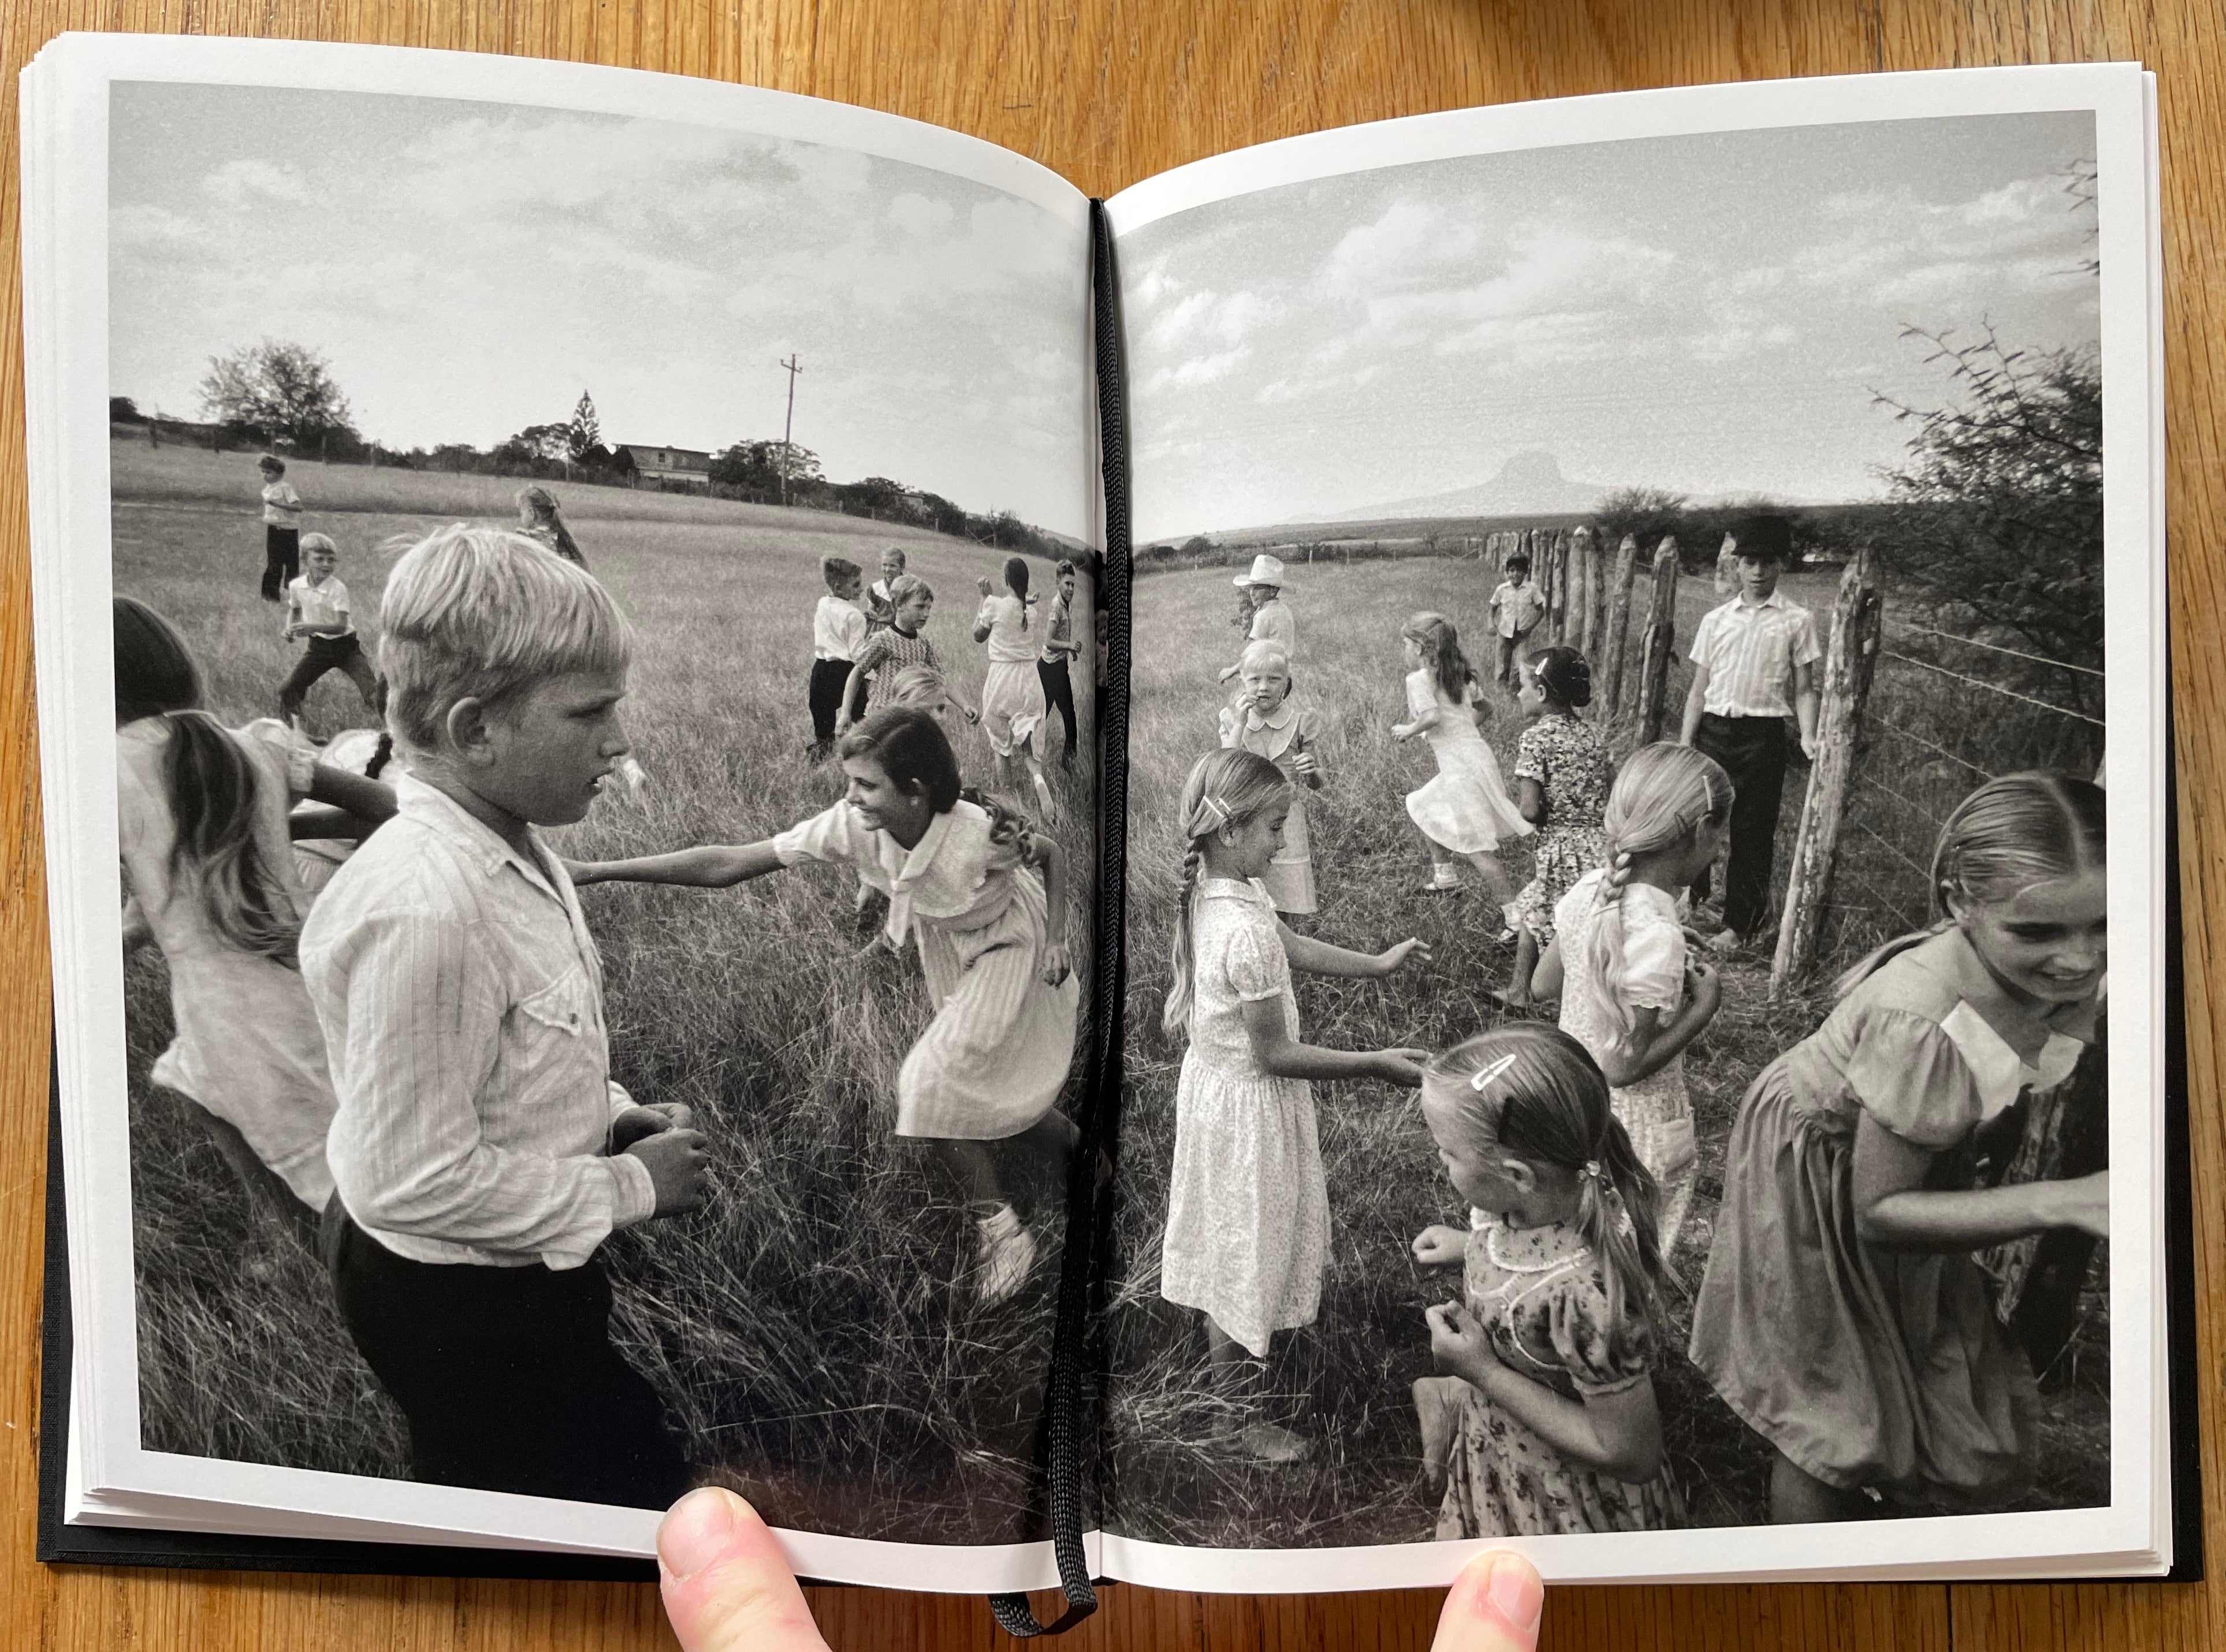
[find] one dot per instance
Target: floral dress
(1564, 755)
(1658, 1110)
(1466, 808)
(1279, 736)
(1247, 1206)
(1538, 1294)
(1869, 1366)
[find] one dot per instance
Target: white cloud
(143, 224)
(246, 182)
(918, 215)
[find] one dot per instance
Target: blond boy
(481, 1152)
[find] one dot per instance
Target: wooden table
(1108, 94)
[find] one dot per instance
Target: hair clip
(1478, 1082)
(1216, 813)
(1591, 1171)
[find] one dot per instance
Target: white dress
(247, 1046)
(1248, 1207)
(1011, 694)
(1656, 1111)
(1466, 807)
(1280, 737)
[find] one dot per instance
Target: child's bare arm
(1545, 978)
(367, 800)
(1320, 958)
(1280, 1056)
(1696, 701)
(1617, 1435)
(1045, 854)
(1894, 1209)
(1425, 719)
(713, 866)
(1531, 800)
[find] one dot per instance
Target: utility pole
(788, 429)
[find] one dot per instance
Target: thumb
(1493, 1606)
(726, 1586)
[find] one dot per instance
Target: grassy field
(1345, 1378)
(801, 1325)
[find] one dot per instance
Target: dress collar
(1280, 718)
(1249, 890)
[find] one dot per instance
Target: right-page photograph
(1616, 1032)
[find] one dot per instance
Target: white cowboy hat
(1266, 570)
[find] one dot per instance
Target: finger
(1493, 1606)
(726, 1583)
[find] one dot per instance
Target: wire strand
(1922, 871)
(1877, 785)
(1919, 740)
(1991, 688)
(1973, 642)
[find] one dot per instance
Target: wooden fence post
(1849, 657)
(1660, 646)
(1584, 581)
(1555, 550)
(1618, 622)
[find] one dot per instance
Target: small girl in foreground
(1013, 693)
(962, 883)
(1562, 773)
(1553, 1342)
(1464, 811)
(1631, 992)
(1843, 1315)
(201, 814)
(1247, 1206)
(1264, 721)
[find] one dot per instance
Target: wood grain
(1107, 94)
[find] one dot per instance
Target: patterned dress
(1658, 1110)
(1538, 1294)
(1279, 736)
(1247, 1206)
(1869, 1366)
(1564, 755)
(1011, 694)
(1466, 808)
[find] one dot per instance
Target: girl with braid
(1247, 1206)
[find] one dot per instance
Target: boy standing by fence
(1517, 607)
(1744, 655)
(480, 1152)
(282, 528)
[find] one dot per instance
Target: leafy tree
(121, 409)
(283, 392)
(756, 466)
(549, 444)
(584, 436)
(1648, 515)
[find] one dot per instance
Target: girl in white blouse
(1012, 695)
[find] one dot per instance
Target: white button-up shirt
(838, 629)
(325, 603)
(461, 1001)
(1751, 651)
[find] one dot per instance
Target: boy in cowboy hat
(1271, 621)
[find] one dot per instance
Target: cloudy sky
(470, 268)
(1706, 313)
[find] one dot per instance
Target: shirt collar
(434, 808)
(1279, 718)
(1775, 600)
(1249, 890)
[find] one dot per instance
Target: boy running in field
(281, 527)
(317, 608)
(481, 1150)
(1517, 607)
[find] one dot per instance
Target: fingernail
(697, 1531)
(1515, 1592)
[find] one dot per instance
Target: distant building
(668, 464)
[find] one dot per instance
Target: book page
(587, 466)
(1630, 597)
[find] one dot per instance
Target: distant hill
(1529, 483)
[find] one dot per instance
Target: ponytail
(1016, 581)
(212, 792)
(1223, 789)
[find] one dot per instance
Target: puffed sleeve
(1908, 1075)
(1653, 959)
(1309, 726)
(833, 834)
(1255, 959)
(291, 753)
(1601, 1356)
(1530, 754)
(1419, 697)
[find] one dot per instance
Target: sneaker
(1004, 1256)
(1724, 942)
(1444, 880)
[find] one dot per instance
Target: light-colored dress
(1272, 622)
(1564, 755)
(1011, 694)
(1658, 1110)
(1248, 1206)
(1869, 1366)
(247, 1046)
(1538, 1294)
(1466, 808)
(992, 1061)
(1281, 736)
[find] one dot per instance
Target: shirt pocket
(557, 1019)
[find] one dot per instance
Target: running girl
(1465, 812)
(1013, 693)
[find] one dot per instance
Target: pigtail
(1174, 1015)
(212, 791)
(1223, 789)
(1007, 823)
(1618, 1204)
(1603, 944)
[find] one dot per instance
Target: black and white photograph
(604, 643)
(1617, 903)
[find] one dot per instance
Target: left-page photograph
(574, 592)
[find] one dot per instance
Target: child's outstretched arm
(1320, 958)
(1894, 1209)
(713, 866)
(1043, 854)
(1280, 1056)
(1425, 719)
(1616, 1434)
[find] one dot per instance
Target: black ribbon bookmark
(1066, 1405)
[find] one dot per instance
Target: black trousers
(828, 678)
(329, 654)
(1752, 751)
(507, 1374)
(282, 559)
(1059, 696)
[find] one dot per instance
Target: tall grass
(802, 1327)
(1345, 1379)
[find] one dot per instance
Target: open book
(1398, 842)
